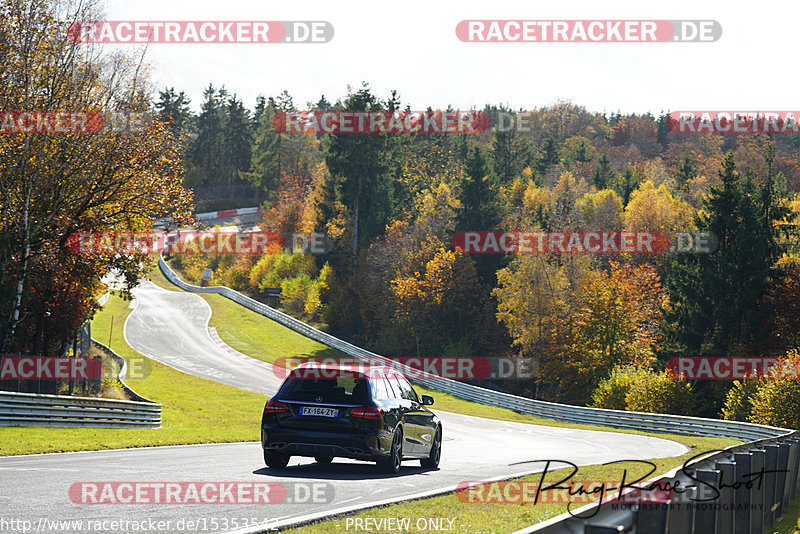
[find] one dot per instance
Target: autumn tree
(564, 213)
(614, 322)
(639, 131)
(404, 249)
(438, 303)
(53, 186)
(601, 210)
(531, 292)
(655, 209)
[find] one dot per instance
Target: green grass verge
(195, 410)
(790, 522)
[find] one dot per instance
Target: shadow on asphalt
(341, 471)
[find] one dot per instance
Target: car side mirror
(427, 400)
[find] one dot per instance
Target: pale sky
(411, 46)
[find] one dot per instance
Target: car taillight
(366, 412)
(274, 406)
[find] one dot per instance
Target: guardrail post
(680, 516)
(757, 502)
(743, 493)
(794, 475)
(771, 499)
(794, 467)
(727, 499)
(797, 478)
(782, 476)
(705, 504)
(651, 517)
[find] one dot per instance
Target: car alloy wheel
(432, 461)
(392, 463)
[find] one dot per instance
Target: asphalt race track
(171, 327)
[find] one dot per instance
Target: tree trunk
(355, 223)
(23, 271)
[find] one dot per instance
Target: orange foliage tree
(55, 185)
(613, 322)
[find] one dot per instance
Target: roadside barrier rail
(721, 493)
(34, 409)
(650, 422)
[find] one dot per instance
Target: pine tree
(662, 128)
(284, 102)
(582, 154)
(265, 161)
(238, 140)
(174, 109)
(478, 195)
(548, 156)
(479, 210)
(510, 154)
(323, 104)
(206, 151)
(258, 111)
(604, 175)
(360, 165)
(718, 295)
(624, 185)
(686, 170)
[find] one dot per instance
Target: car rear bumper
(311, 443)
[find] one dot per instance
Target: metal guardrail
(720, 493)
(32, 409)
(767, 447)
(673, 424)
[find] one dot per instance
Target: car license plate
(318, 411)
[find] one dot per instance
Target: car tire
(323, 460)
(391, 464)
(276, 460)
(432, 461)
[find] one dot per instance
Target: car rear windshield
(340, 390)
